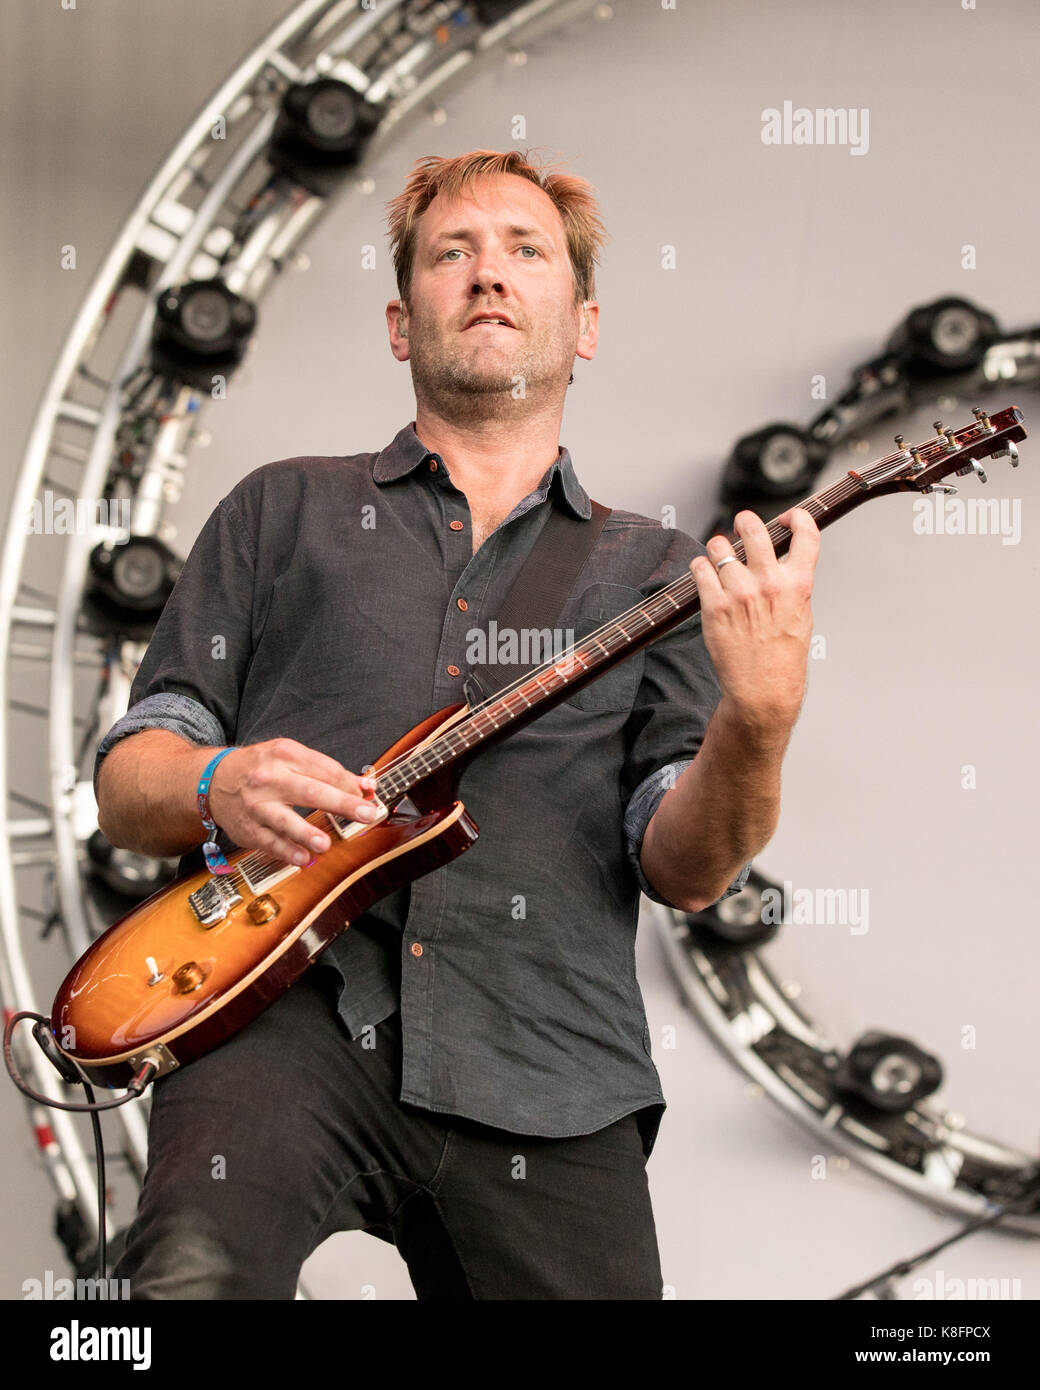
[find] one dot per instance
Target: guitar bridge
(212, 902)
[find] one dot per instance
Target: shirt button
(455, 525)
(416, 949)
(462, 604)
(433, 465)
(453, 670)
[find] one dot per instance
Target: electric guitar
(200, 958)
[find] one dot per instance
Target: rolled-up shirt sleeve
(191, 676)
(638, 814)
(180, 714)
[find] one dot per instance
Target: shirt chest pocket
(596, 606)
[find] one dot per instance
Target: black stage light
(321, 131)
(201, 331)
(128, 585)
(138, 574)
(131, 876)
(889, 1073)
(947, 336)
(765, 473)
(778, 461)
(741, 920)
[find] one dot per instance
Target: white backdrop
(790, 261)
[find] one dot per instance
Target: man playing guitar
(466, 1070)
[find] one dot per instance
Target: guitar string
(682, 589)
(845, 487)
(685, 586)
(839, 492)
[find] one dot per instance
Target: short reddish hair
(573, 198)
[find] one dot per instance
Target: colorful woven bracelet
(215, 859)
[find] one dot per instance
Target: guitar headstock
(920, 467)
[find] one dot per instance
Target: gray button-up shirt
(321, 602)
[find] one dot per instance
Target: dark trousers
(291, 1131)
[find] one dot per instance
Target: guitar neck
(546, 686)
(533, 695)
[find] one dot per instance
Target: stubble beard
(459, 381)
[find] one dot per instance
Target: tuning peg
(899, 441)
(982, 417)
(937, 426)
(973, 467)
(1009, 451)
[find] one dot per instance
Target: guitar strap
(541, 589)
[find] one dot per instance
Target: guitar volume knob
(188, 977)
(263, 908)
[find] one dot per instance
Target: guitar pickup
(345, 828)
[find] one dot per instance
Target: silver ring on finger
(729, 560)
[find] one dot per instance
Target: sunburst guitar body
(200, 958)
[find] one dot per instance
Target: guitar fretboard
(599, 651)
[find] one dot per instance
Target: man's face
(500, 250)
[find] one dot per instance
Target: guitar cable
(69, 1074)
(901, 1268)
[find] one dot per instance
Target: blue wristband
(215, 859)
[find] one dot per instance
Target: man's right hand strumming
(147, 795)
(254, 790)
